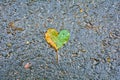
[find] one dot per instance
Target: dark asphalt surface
(92, 53)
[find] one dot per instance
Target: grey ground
(92, 53)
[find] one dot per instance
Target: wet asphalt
(92, 52)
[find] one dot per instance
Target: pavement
(92, 52)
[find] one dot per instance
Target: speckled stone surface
(92, 52)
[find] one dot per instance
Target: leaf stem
(56, 56)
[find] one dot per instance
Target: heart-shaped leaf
(55, 39)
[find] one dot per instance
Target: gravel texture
(92, 52)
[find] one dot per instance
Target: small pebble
(9, 44)
(74, 54)
(83, 50)
(27, 42)
(27, 65)
(108, 59)
(81, 10)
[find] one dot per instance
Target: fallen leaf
(55, 39)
